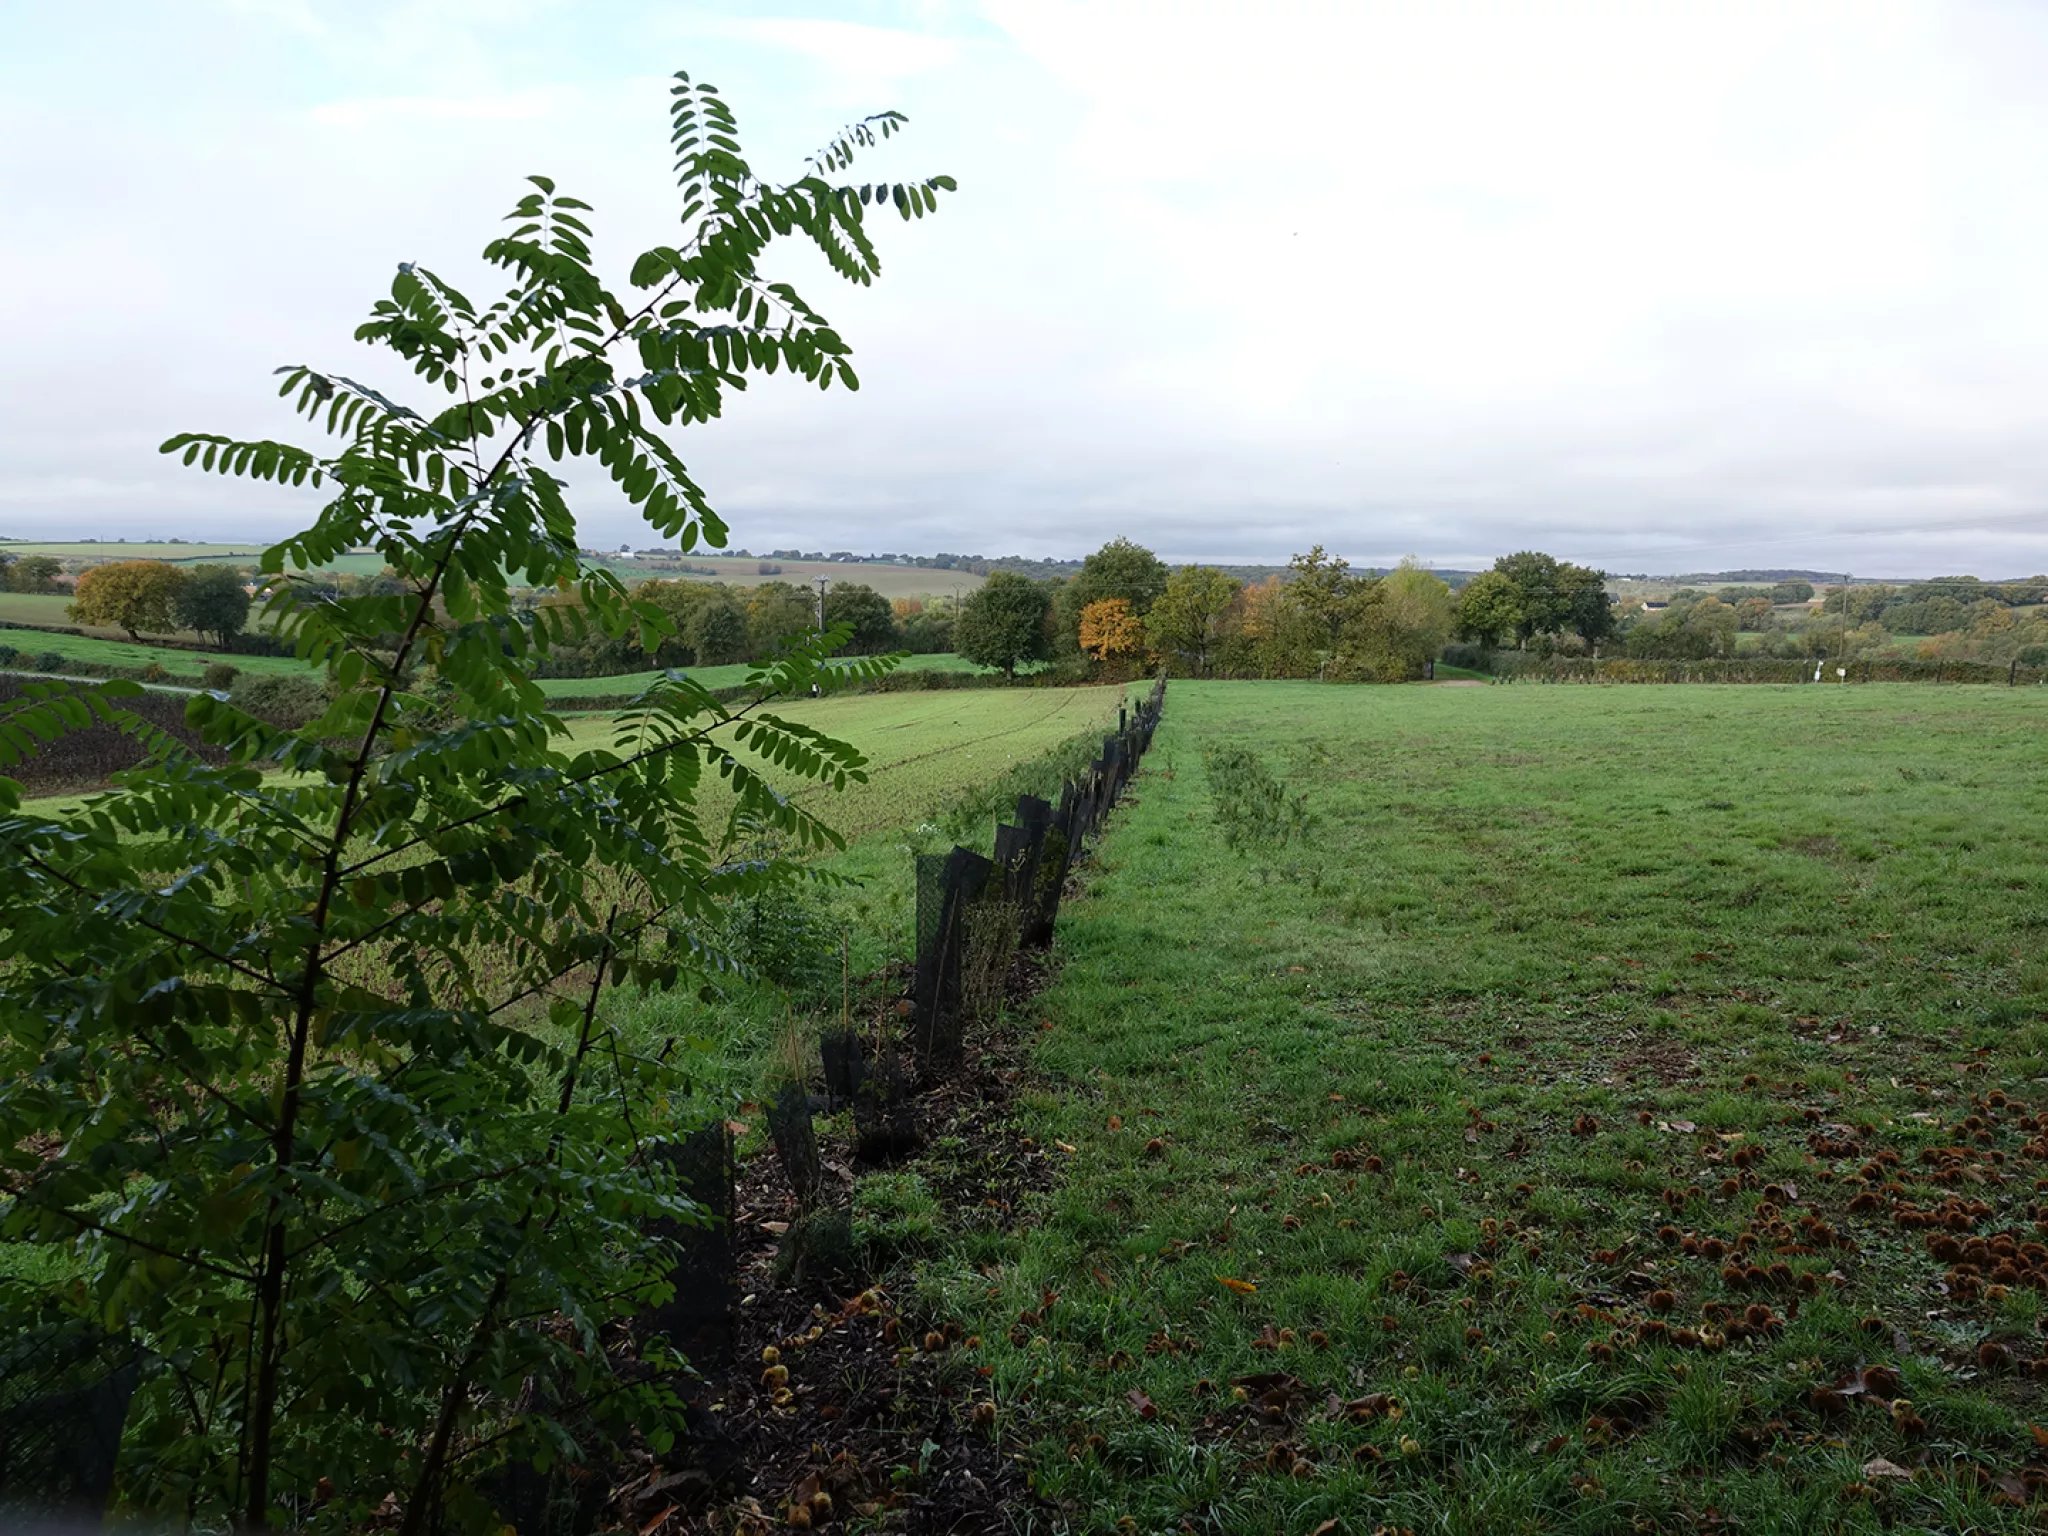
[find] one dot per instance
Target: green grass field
(1524, 1150)
(182, 665)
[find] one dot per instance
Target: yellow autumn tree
(1109, 630)
(129, 594)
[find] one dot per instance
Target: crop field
(889, 580)
(726, 676)
(923, 749)
(35, 608)
(108, 550)
(1620, 1109)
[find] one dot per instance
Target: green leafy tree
(1119, 571)
(1187, 618)
(1322, 586)
(1587, 604)
(679, 602)
(1122, 569)
(866, 613)
(307, 1081)
(1489, 607)
(778, 614)
(928, 633)
(717, 632)
(1002, 622)
(1541, 606)
(30, 573)
(134, 595)
(1409, 616)
(1792, 592)
(213, 601)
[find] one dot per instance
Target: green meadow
(1622, 1108)
(183, 666)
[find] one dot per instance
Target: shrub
(780, 933)
(8, 655)
(155, 673)
(50, 661)
(282, 699)
(220, 676)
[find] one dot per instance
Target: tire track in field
(958, 746)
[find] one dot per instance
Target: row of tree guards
(974, 913)
(64, 1392)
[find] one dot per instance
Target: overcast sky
(1658, 286)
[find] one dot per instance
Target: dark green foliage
(1552, 596)
(780, 934)
(33, 573)
(1473, 658)
(308, 1076)
(867, 613)
(717, 633)
(1002, 623)
(1252, 807)
(929, 633)
(212, 601)
(220, 675)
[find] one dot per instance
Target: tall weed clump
(1252, 807)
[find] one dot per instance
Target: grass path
(1527, 1150)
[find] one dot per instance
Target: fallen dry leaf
(1147, 1409)
(1242, 1287)
(1878, 1467)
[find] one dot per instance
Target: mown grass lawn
(1528, 1148)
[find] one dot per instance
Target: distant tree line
(1124, 609)
(715, 624)
(1956, 617)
